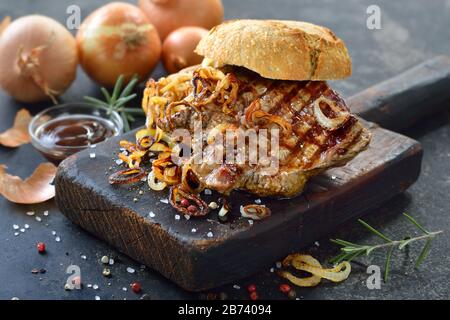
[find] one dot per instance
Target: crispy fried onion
(189, 180)
(127, 176)
(165, 170)
(154, 184)
(212, 86)
(308, 264)
(253, 113)
(255, 211)
(35, 189)
(18, 134)
(330, 123)
(195, 206)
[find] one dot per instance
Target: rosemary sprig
(118, 99)
(351, 251)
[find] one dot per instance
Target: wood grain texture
(400, 102)
(237, 249)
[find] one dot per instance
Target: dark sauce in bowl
(61, 131)
(75, 131)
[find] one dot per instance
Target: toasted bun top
(277, 49)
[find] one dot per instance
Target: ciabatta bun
(276, 49)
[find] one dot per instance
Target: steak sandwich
(257, 74)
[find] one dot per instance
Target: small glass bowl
(57, 153)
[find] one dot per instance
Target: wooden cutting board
(218, 253)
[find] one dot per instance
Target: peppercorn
(285, 288)
(41, 247)
(184, 202)
(192, 209)
(251, 288)
(254, 296)
(136, 287)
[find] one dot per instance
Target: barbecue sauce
(63, 136)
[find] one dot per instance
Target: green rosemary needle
(117, 101)
(351, 251)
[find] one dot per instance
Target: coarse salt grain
(38, 219)
(46, 213)
(58, 239)
(258, 201)
(124, 289)
(111, 261)
(22, 230)
(187, 217)
(177, 217)
(83, 257)
(104, 259)
(53, 233)
(209, 234)
(317, 244)
(89, 285)
(235, 286)
(208, 192)
(26, 226)
(16, 234)
(95, 286)
(97, 298)
(130, 270)
(151, 214)
(92, 155)
(119, 162)
(16, 227)
(278, 264)
(30, 213)
(193, 230)
(272, 270)
(166, 201)
(250, 222)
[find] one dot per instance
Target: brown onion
(118, 39)
(169, 15)
(178, 48)
(38, 59)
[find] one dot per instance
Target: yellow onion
(178, 48)
(169, 15)
(118, 39)
(38, 59)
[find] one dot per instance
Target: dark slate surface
(411, 32)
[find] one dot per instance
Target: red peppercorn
(251, 288)
(41, 247)
(184, 202)
(136, 287)
(254, 296)
(285, 288)
(192, 209)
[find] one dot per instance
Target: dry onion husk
(309, 264)
(35, 189)
(4, 24)
(18, 133)
(39, 59)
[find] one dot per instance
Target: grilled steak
(315, 128)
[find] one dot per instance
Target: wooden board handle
(401, 101)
